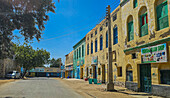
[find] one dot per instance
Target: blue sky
(71, 22)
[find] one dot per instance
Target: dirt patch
(6, 81)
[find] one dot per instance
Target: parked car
(13, 74)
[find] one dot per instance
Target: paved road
(37, 88)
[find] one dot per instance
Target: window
(144, 25)
(135, 3)
(165, 76)
(96, 45)
(87, 38)
(115, 36)
(95, 32)
(91, 47)
(101, 28)
(119, 71)
(101, 42)
(130, 31)
(79, 52)
(92, 35)
(99, 72)
(134, 56)
(82, 50)
(129, 73)
(106, 24)
(107, 39)
(114, 17)
(87, 49)
(74, 54)
(162, 16)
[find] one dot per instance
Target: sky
(71, 22)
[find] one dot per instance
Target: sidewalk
(98, 91)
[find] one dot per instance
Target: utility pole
(110, 84)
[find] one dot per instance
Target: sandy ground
(3, 81)
(98, 91)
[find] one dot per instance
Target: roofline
(79, 42)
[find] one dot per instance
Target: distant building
(44, 72)
(69, 65)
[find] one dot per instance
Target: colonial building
(140, 47)
(96, 60)
(78, 58)
(69, 65)
(146, 37)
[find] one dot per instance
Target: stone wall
(161, 90)
(132, 86)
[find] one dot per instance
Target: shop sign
(69, 68)
(154, 54)
(94, 60)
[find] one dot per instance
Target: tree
(27, 16)
(55, 62)
(29, 58)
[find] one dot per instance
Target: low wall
(132, 86)
(161, 90)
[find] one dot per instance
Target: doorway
(145, 78)
(94, 72)
(78, 73)
(87, 72)
(81, 73)
(103, 74)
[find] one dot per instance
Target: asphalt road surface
(37, 88)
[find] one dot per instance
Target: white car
(13, 74)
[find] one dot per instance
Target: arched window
(143, 21)
(130, 28)
(107, 39)
(129, 73)
(91, 47)
(87, 49)
(162, 14)
(135, 3)
(101, 42)
(115, 35)
(96, 45)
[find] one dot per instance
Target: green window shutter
(130, 31)
(162, 16)
(140, 26)
(143, 28)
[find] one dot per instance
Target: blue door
(78, 73)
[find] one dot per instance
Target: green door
(145, 78)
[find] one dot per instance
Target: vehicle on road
(13, 74)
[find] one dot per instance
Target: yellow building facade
(140, 44)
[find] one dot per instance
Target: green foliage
(27, 16)
(29, 58)
(55, 62)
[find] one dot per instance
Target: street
(41, 87)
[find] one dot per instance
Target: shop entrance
(87, 72)
(145, 78)
(103, 74)
(94, 72)
(81, 73)
(78, 73)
